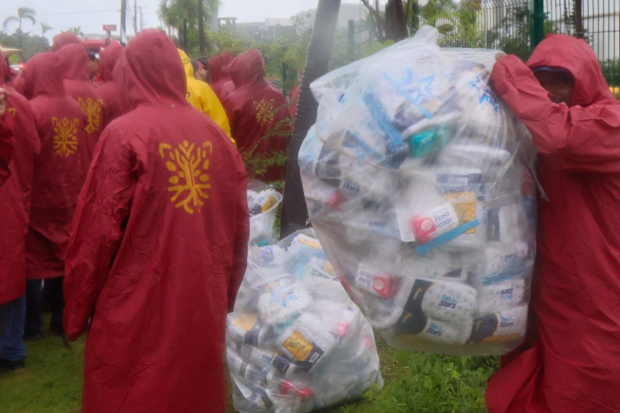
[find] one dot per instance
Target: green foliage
(23, 13)
(31, 45)
(77, 30)
(257, 164)
(174, 12)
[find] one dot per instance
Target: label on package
(464, 204)
(303, 350)
(436, 222)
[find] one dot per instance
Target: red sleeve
(240, 254)
(6, 147)
(577, 138)
(103, 206)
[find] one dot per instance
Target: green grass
(414, 382)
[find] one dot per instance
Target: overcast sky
(91, 15)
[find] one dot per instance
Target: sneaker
(12, 365)
(34, 336)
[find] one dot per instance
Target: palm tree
(45, 28)
(77, 30)
(22, 13)
(294, 210)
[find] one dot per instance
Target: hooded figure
(219, 73)
(200, 96)
(570, 361)
(58, 178)
(63, 39)
(6, 147)
(74, 58)
(14, 214)
(254, 110)
(107, 90)
(158, 247)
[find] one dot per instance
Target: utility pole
(201, 26)
(135, 16)
(123, 22)
(141, 19)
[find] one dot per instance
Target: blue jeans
(34, 299)
(12, 315)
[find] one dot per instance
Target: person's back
(64, 39)
(74, 58)
(159, 246)
(14, 213)
(107, 89)
(570, 361)
(255, 110)
(201, 96)
(58, 178)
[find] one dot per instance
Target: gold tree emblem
(12, 111)
(189, 165)
(92, 111)
(65, 141)
(264, 111)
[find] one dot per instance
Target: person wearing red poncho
(58, 177)
(108, 58)
(570, 361)
(159, 246)
(219, 75)
(255, 111)
(75, 60)
(14, 212)
(7, 145)
(63, 39)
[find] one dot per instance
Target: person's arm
(6, 137)
(103, 206)
(574, 137)
(240, 254)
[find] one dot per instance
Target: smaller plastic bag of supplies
(296, 342)
(263, 203)
(417, 183)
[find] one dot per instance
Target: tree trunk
(201, 26)
(294, 211)
(20, 34)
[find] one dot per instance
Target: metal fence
(507, 25)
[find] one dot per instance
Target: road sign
(109, 27)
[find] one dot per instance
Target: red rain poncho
(107, 91)
(254, 109)
(6, 147)
(15, 195)
(570, 361)
(218, 72)
(158, 247)
(64, 39)
(58, 174)
(75, 60)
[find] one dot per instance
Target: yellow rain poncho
(201, 96)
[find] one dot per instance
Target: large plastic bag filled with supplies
(417, 182)
(296, 342)
(263, 203)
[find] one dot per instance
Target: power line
(78, 12)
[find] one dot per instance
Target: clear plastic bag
(295, 341)
(263, 203)
(416, 181)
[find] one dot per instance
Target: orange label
(299, 347)
(464, 204)
(310, 242)
(270, 202)
(246, 321)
